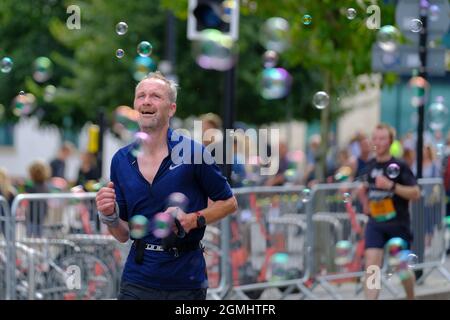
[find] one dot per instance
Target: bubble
(120, 53)
(274, 34)
(291, 175)
(321, 100)
(6, 65)
(22, 93)
(142, 67)
(43, 69)
(351, 13)
(434, 12)
(447, 221)
(343, 174)
(162, 225)
(393, 170)
(23, 104)
(275, 83)
(214, 50)
(144, 49)
(343, 252)
(412, 260)
(395, 245)
(346, 197)
(270, 59)
(178, 199)
(306, 195)
(49, 93)
(279, 267)
(388, 37)
(139, 139)
(138, 226)
(121, 28)
(415, 25)
(307, 19)
(438, 114)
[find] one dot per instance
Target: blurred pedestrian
(58, 164)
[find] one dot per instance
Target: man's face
(381, 141)
(153, 104)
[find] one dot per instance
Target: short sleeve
(211, 179)
(120, 199)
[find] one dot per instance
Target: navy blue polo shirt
(135, 195)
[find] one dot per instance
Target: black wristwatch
(201, 221)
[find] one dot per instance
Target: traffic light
(222, 15)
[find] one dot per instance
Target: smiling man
(141, 185)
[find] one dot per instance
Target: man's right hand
(106, 199)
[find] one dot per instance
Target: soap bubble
(138, 226)
(351, 13)
(6, 65)
(43, 68)
(274, 34)
(144, 48)
(142, 67)
(388, 37)
(438, 114)
(343, 252)
(393, 170)
(321, 100)
(270, 59)
(395, 245)
(178, 199)
(346, 197)
(24, 104)
(214, 50)
(162, 224)
(22, 92)
(275, 83)
(306, 195)
(139, 139)
(278, 266)
(121, 28)
(415, 25)
(120, 53)
(434, 12)
(49, 93)
(307, 19)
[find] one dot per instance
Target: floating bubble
(274, 34)
(395, 245)
(412, 260)
(121, 28)
(275, 83)
(306, 195)
(307, 19)
(23, 104)
(162, 224)
(178, 199)
(434, 12)
(291, 175)
(6, 65)
(214, 50)
(346, 197)
(393, 170)
(278, 266)
(321, 100)
(270, 59)
(142, 67)
(22, 93)
(138, 226)
(351, 13)
(343, 252)
(144, 48)
(447, 221)
(120, 53)
(49, 93)
(139, 139)
(126, 122)
(343, 174)
(415, 25)
(388, 37)
(43, 68)
(438, 114)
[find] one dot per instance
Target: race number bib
(382, 210)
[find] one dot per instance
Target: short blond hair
(213, 119)
(39, 171)
(172, 85)
(389, 129)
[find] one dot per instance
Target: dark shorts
(131, 291)
(377, 234)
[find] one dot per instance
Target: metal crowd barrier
(269, 226)
(61, 249)
(6, 250)
(429, 228)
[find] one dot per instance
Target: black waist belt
(141, 246)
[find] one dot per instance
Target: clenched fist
(106, 199)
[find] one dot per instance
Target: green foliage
(88, 75)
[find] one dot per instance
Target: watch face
(201, 221)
